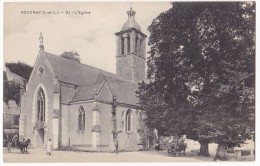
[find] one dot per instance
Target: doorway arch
(41, 138)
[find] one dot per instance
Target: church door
(41, 138)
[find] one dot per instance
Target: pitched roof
(86, 92)
(11, 76)
(72, 72)
(90, 80)
(124, 90)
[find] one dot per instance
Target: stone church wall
(79, 137)
(128, 140)
(139, 71)
(106, 126)
(82, 140)
(65, 125)
(28, 111)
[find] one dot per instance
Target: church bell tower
(130, 50)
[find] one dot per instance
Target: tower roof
(131, 23)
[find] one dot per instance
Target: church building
(83, 107)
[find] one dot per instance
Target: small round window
(40, 71)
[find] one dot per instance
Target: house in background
(12, 77)
(11, 109)
(11, 114)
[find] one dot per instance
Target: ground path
(69, 156)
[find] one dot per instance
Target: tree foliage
(20, 68)
(202, 71)
(71, 55)
(11, 90)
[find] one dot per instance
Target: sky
(91, 35)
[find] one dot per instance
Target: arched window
(128, 120)
(136, 44)
(128, 44)
(122, 45)
(81, 118)
(40, 106)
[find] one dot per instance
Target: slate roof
(89, 80)
(86, 92)
(131, 24)
(72, 72)
(124, 91)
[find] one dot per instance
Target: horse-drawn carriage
(14, 142)
(177, 148)
(23, 146)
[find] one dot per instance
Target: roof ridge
(118, 77)
(107, 72)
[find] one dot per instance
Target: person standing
(9, 146)
(116, 147)
(15, 139)
(49, 147)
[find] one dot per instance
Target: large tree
(201, 72)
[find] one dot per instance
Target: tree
(11, 90)
(201, 72)
(20, 68)
(71, 55)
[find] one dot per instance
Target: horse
(24, 145)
